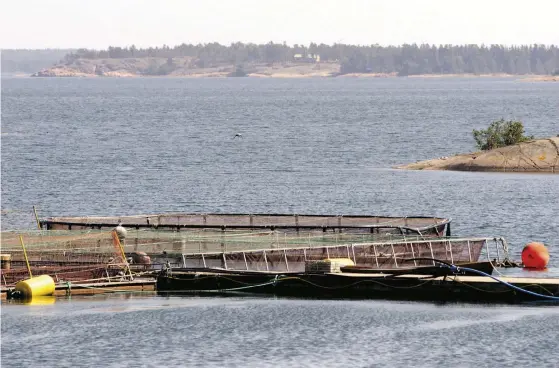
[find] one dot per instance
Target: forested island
(280, 59)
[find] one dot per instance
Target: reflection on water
(39, 301)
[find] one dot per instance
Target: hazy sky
(100, 23)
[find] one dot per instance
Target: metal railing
(383, 254)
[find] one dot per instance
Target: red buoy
(535, 255)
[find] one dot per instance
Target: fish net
(64, 255)
(388, 254)
(212, 240)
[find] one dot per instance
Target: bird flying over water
(238, 135)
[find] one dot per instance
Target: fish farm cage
(385, 254)
(410, 225)
(75, 256)
(78, 255)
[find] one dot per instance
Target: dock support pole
(487, 250)
(116, 241)
(25, 256)
(394, 254)
(37, 218)
(451, 255)
(285, 256)
(413, 254)
(432, 255)
(376, 255)
(266, 260)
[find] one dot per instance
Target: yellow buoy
(36, 286)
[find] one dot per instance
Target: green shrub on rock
(500, 133)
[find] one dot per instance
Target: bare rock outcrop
(183, 67)
(61, 71)
(541, 155)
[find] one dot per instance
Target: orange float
(535, 255)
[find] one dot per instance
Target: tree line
(407, 59)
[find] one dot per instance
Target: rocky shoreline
(190, 67)
(541, 155)
(183, 67)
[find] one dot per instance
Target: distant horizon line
(281, 43)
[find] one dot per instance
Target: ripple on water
(266, 332)
(116, 147)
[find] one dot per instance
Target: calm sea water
(130, 146)
(124, 331)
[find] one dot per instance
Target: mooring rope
(453, 268)
(456, 269)
(550, 297)
(279, 278)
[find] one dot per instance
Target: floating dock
(453, 287)
(144, 284)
